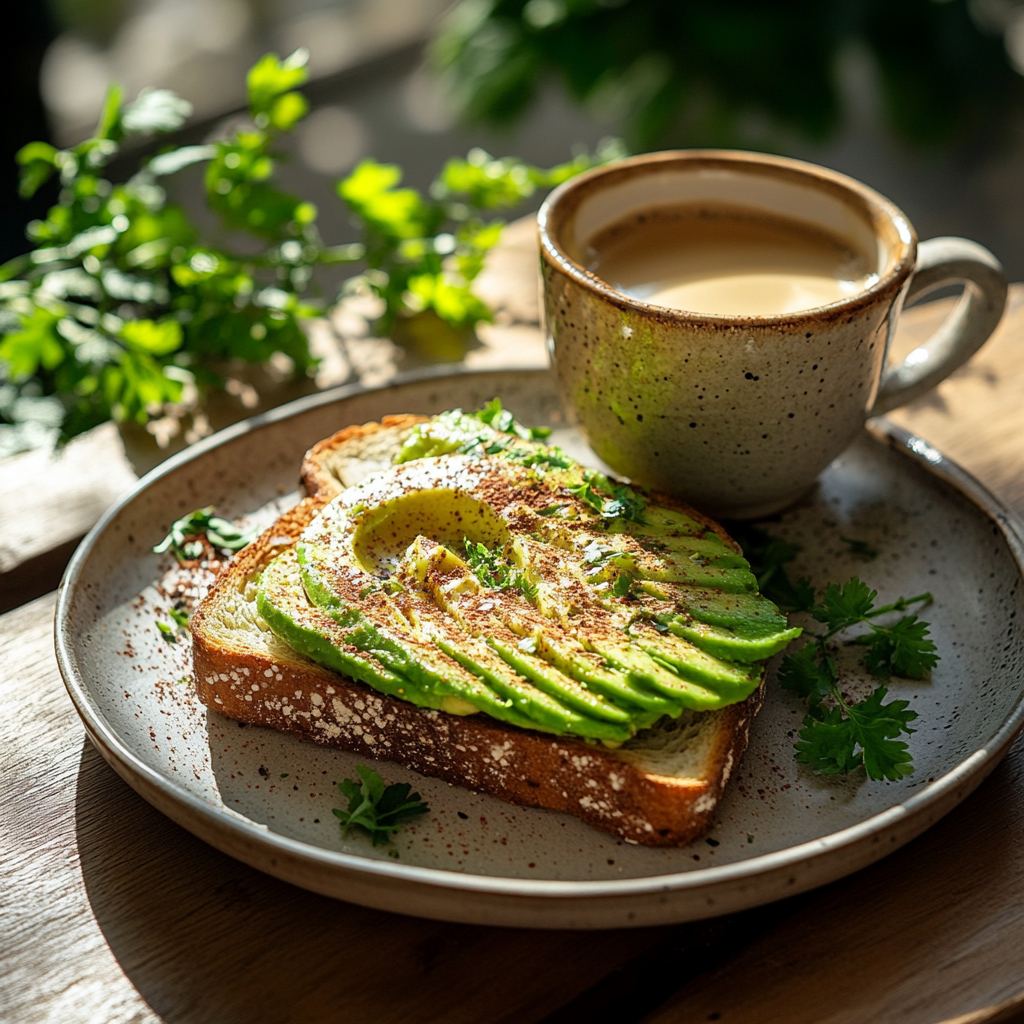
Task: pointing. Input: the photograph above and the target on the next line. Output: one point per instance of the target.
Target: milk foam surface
(727, 260)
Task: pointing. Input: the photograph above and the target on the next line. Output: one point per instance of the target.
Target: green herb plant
(610, 500)
(839, 734)
(423, 253)
(376, 809)
(182, 540)
(122, 310)
(733, 73)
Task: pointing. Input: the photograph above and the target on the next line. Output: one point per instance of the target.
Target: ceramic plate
(266, 798)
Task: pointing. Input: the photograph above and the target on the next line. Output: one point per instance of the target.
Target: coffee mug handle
(942, 261)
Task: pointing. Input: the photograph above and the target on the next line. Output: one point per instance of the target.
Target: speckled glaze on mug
(739, 415)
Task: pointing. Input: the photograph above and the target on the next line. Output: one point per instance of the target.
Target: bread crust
(607, 789)
(316, 477)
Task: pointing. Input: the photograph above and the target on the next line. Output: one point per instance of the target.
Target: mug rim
(567, 197)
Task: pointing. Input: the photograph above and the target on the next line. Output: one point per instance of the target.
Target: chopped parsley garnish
(376, 809)
(501, 419)
(495, 573)
(180, 616)
(623, 585)
(551, 457)
(203, 523)
(616, 502)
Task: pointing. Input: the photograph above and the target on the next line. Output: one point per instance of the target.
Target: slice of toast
(660, 788)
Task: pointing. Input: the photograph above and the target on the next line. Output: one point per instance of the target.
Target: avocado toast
(483, 609)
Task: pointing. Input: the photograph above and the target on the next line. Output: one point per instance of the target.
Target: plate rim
(216, 819)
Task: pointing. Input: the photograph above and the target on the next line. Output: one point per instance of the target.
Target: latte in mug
(728, 259)
(719, 322)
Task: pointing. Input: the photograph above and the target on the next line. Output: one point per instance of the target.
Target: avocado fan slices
(619, 610)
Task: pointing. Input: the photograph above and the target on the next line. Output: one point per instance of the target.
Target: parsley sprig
(376, 809)
(840, 735)
(203, 523)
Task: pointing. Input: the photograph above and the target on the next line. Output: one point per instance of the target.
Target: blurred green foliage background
(729, 72)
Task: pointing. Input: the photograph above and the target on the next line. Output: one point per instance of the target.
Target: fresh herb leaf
(827, 743)
(495, 573)
(623, 503)
(588, 495)
(876, 727)
(623, 585)
(551, 457)
(808, 674)
(861, 548)
(901, 649)
(845, 606)
(203, 523)
(376, 809)
(168, 631)
(122, 310)
(525, 586)
(489, 566)
(180, 617)
(840, 735)
(846, 736)
(502, 420)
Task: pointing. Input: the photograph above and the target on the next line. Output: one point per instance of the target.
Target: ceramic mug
(739, 414)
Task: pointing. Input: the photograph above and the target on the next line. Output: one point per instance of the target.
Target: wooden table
(111, 913)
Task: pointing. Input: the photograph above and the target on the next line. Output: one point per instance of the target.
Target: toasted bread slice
(659, 789)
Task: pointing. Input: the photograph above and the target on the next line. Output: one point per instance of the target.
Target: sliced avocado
(446, 578)
(748, 615)
(727, 573)
(647, 671)
(438, 658)
(365, 625)
(586, 610)
(732, 679)
(727, 643)
(593, 671)
(283, 604)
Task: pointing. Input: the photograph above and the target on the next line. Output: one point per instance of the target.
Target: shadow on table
(204, 938)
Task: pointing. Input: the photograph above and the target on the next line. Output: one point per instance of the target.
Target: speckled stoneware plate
(266, 798)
